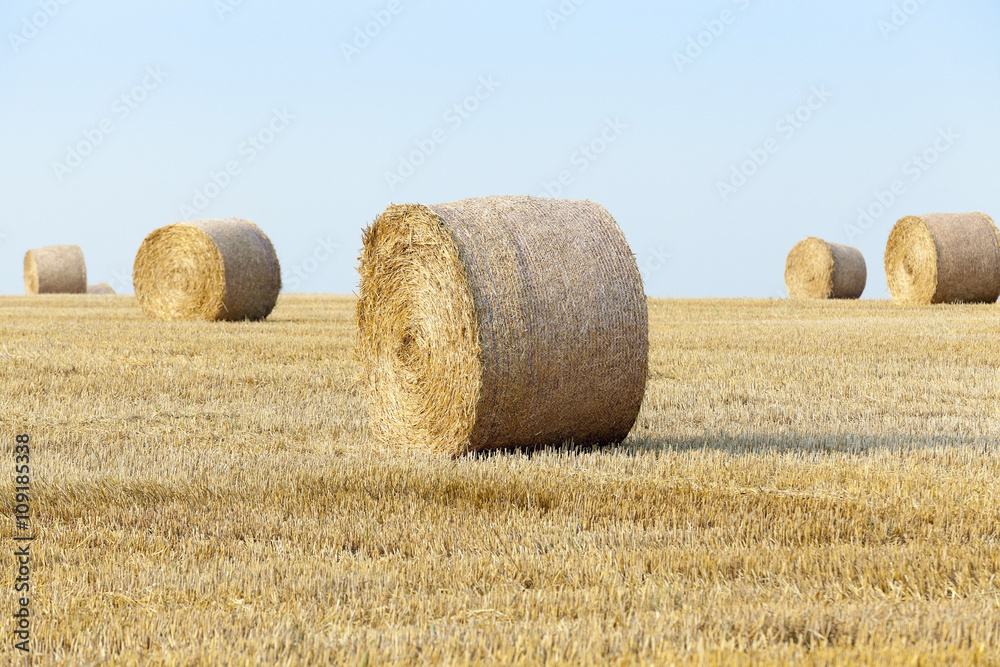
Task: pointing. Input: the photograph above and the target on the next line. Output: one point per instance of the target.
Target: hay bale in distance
(100, 289)
(57, 269)
(816, 269)
(944, 258)
(224, 269)
(500, 322)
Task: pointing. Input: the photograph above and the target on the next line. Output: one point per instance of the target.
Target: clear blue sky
(315, 120)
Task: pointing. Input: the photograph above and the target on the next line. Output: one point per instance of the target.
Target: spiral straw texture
(500, 322)
(816, 269)
(944, 258)
(207, 270)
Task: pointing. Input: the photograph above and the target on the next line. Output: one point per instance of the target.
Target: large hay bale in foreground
(944, 258)
(207, 270)
(57, 269)
(100, 289)
(817, 269)
(501, 322)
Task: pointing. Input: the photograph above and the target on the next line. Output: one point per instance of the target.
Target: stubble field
(816, 483)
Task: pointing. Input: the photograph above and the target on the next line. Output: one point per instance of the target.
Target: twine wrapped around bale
(207, 270)
(57, 269)
(500, 322)
(816, 269)
(944, 258)
(100, 289)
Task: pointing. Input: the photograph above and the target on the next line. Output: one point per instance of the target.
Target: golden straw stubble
(944, 258)
(818, 269)
(58, 269)
(500, 322)
(220, 269)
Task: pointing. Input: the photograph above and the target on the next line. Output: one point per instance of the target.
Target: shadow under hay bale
(58, 269)
(213, 270)
(817, 269)
(500, 323)
(944, 258)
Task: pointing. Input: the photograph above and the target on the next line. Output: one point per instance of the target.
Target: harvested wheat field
(816, 482)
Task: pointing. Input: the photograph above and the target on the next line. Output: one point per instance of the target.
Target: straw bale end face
(499, 323)
(418, 333)
(816, 269)
(223, 269)
(56, 269)
(944, 258)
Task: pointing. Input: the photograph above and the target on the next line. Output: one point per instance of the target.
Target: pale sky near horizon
(718, 134)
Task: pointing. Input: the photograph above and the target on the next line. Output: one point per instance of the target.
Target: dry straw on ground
(207, 270)
(816, 269)
(500, 322)
(944, 258)
(100, 289)
(57, 269)
(784, 498)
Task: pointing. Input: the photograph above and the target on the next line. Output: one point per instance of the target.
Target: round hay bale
(57, 269)
(816, 269)
(100, 289)
(944, 258)
(500, 322)
(207, 270)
